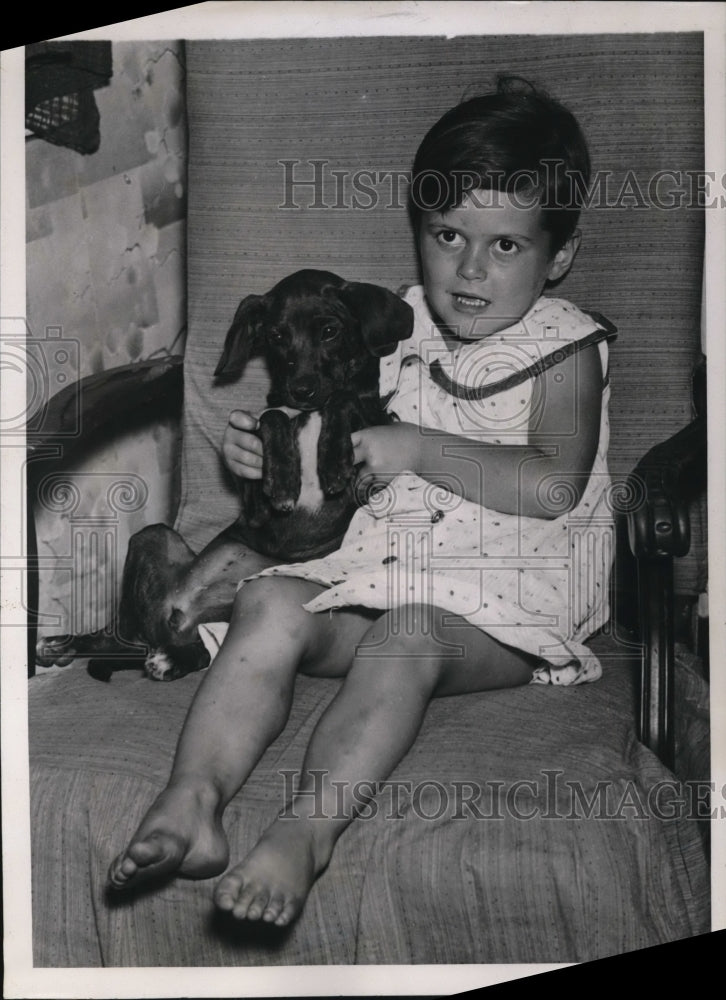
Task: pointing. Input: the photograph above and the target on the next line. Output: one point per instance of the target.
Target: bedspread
(523, 826)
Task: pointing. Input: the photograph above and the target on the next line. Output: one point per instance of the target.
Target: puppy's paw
(55, 649)
(283, 502)
(334, 481)
(177, 661)
(158, 666)
(281, 486)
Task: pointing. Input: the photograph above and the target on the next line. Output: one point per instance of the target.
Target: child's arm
(509, 478)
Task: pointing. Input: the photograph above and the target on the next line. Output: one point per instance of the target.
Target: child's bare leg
(240, 708)
(362, 736)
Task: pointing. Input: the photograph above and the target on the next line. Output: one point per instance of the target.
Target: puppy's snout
(303, 389)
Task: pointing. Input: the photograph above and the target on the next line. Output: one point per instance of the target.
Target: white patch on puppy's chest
(311, 496)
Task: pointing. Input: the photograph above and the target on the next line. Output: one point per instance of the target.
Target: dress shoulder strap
(605, 331)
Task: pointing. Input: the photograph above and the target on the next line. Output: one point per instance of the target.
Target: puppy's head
(317, 332)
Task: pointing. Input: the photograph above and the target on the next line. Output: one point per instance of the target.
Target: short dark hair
(516, 139)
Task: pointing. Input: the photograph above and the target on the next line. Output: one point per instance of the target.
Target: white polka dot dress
(534, 584)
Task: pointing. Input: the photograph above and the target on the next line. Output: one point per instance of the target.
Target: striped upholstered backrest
(359, 107)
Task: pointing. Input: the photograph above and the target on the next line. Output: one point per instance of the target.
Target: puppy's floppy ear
(242, 340)
(384, 317)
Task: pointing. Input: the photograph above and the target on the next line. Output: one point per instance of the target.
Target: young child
(481, 559)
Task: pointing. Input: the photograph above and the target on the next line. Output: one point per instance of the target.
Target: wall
(105, 250)
(106, 275)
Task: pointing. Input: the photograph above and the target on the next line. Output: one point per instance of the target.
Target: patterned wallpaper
(105, 250)
(106, 275)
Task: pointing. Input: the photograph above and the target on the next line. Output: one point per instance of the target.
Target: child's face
(486, 262)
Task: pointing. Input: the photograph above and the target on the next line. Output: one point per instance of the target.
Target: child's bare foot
(273, 881)
(181, 834)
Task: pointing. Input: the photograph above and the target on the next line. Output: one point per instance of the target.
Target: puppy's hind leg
(157, 559)
(205, 588)
(156, 555)
(63, 649)
(202, 589)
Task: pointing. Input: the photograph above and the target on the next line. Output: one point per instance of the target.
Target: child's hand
(241, 448)
(382, 452)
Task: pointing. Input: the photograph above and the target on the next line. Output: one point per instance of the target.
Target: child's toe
(150, 850)
(127, 868)
(244, 901)
(289, 912)
(227, 892)
(224, 900)
(121, 870)
(273, 909)
(258, 905)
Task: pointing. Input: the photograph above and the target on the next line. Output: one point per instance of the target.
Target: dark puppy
(321, 338)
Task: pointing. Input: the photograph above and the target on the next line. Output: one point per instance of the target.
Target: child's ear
(562, 260)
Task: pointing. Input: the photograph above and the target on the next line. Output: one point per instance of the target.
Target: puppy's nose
(304, 389)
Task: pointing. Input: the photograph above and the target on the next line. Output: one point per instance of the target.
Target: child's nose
(472, 266)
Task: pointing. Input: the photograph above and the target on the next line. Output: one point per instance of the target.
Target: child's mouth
(469, 303)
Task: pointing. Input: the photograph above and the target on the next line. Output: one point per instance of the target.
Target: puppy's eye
(330, 331)
(275, 336)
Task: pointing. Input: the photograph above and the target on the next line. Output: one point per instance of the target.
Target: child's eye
(506, 246)
(449, 238)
